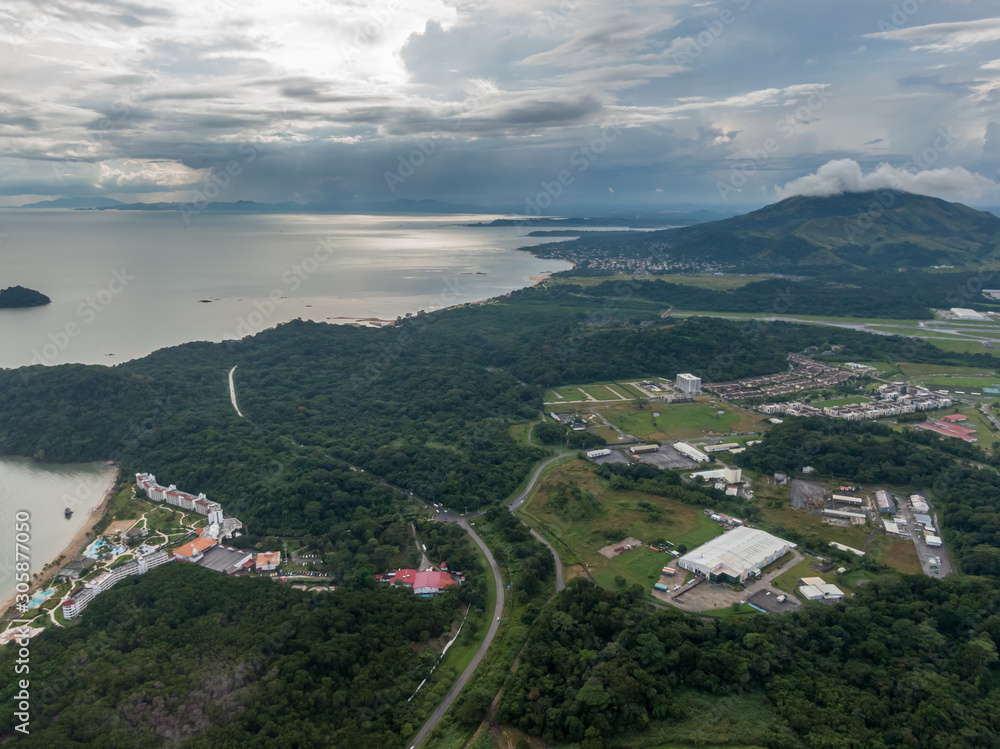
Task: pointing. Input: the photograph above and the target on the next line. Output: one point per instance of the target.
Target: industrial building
(736, 555)
(848, 500)
(932, 540)
(853, 517)
(637, 449)
(721, 447)
(963, 313)
(691, 452)
(919, 503)
(732, 475)
(816, 589)
(688, 383)
(885, 502)
(598, 453)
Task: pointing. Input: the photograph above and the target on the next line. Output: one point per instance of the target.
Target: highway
(456, 688)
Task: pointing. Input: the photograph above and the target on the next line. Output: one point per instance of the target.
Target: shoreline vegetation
(18, 297)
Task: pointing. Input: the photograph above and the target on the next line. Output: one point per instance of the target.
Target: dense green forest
(341, 425)
(186, 657)
(909, 662)
(424, 404)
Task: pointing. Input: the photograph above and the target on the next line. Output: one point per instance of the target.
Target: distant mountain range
(875, 230)
(643, 217)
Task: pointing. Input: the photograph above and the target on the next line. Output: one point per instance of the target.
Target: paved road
(516, 504)
(232, 391)
(559, 572)
(432, 722)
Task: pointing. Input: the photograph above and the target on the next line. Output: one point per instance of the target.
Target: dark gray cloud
(120, 98)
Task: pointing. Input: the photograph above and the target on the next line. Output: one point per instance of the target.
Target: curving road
(436, 716)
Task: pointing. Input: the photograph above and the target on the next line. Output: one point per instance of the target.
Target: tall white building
(688, 383)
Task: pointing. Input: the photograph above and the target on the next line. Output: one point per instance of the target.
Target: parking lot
(768, 600)
(667, 457)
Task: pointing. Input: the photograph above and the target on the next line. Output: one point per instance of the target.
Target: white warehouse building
(736, 555)
(688, 383)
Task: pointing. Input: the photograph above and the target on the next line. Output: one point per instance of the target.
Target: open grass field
(803, 318)
(849, 401)
(788, 581)
(963, 382)
(602, 393)
(803, 521)
(912, 370)
(898, 553)
(615, 516)
(963, 346)
(680, 420)
(706, 281)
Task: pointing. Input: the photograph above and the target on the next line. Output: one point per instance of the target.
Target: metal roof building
(736, 555)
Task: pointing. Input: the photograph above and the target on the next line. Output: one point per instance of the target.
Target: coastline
(74, 547)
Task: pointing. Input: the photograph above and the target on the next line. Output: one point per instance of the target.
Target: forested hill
(884, 229)
(425, 404)
(18, 296)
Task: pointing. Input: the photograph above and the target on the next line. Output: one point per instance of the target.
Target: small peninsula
(18, 296)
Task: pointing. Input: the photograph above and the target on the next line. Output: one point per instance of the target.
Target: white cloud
(944, 37)
(845, 175)
(137, 173)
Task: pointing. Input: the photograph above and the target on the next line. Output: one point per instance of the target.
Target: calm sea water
(125, 283)
(44, 491)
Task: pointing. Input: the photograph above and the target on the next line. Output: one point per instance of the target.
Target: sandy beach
(74, 547)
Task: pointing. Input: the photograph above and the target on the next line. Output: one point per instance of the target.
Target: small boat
(68, 513)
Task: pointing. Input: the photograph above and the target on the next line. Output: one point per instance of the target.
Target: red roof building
(953, 418)
(949, 430)
(424, 582)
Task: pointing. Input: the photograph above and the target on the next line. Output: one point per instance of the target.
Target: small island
(18, 296)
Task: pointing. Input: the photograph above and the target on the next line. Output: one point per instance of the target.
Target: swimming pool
(97, 548)
(40, 597)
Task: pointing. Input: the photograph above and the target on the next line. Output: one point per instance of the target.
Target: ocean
(126, 283)
(43, 491)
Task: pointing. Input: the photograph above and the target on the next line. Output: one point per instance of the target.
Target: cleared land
(608, 516)
(681, 420)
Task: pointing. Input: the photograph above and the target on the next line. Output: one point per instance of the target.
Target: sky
(537, 105)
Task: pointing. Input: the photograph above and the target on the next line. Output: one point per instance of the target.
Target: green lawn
(925, 370)
(963, 382)
(678, 420)
(788, 581)
(804, 318)
(849, 401)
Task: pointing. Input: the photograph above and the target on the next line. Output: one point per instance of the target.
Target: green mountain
(873, 230)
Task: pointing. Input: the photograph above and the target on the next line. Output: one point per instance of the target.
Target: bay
(43, 491)
(126, 283)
